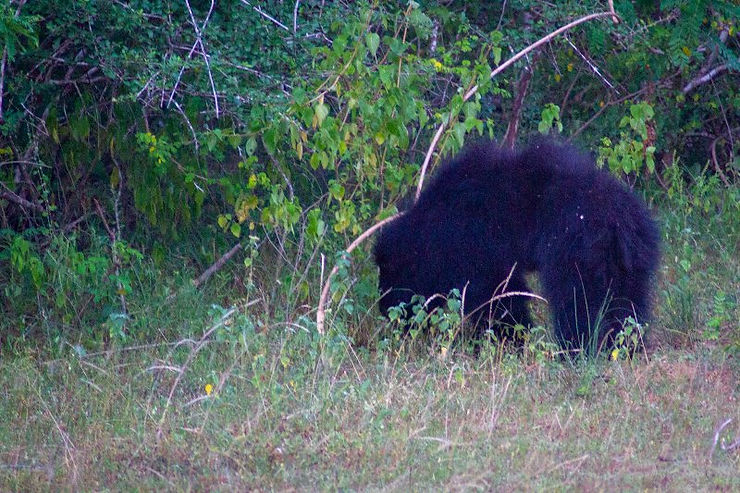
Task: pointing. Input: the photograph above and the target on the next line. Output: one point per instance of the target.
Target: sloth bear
(491, 214)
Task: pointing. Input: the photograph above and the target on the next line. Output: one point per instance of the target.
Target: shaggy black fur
(546, 208)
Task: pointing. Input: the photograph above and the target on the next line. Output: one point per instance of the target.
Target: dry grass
(366, 422)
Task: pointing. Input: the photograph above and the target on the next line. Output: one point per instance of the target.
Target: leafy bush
(191, 126)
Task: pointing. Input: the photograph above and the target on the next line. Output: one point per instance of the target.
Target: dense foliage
(140, 132)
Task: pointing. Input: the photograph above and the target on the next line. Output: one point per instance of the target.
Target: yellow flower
(209, 389)
(615, 354)
(442, 353)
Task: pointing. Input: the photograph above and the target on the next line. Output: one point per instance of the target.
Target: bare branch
(321, 310)
(192, 50)
(84, 80)
(592, 66)
(500, 69)
(267, 16)
(295, 17)
(217, 265)
(704, 78)
(516, 112)
(10, 195)
(199, 40)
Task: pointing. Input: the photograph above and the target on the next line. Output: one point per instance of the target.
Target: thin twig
(592, 66)
(190, 54)
(69, 446)
(497, 399)
(501, 17)
(199, 40)
(715, 160)
(2, 80)
(190, 125)
(114, 255)
(264, 14)
(226, 316)
(320, 312)
(117, 237)
(101, 214)
(717, 433)
(607, 104)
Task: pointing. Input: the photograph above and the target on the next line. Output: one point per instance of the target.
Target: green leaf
(372, 40)
(316, 225)
(321, 111)
(336, 190)
(270, 139)
(459, 132)
(386, 74)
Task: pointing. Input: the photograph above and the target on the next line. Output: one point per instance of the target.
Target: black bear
(491, 214)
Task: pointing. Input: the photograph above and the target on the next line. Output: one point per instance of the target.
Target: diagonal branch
(500, 69)
(199, 40)
(267, 16)
(704, 78)
(192, 50)
(11, 196)
(516, 111)
(321, 313)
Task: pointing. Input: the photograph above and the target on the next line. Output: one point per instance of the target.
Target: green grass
(292, 411)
